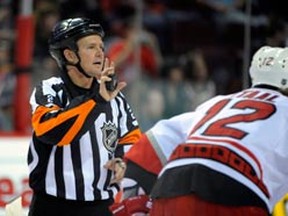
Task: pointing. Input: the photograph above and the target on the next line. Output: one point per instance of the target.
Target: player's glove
(132, 205)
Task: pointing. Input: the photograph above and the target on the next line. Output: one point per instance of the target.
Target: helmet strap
(78, 65)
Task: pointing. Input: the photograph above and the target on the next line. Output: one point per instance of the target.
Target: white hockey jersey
(242, 135)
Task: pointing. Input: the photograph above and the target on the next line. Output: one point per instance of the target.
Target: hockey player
(228, 157)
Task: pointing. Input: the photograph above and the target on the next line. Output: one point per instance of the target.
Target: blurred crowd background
(174, 54)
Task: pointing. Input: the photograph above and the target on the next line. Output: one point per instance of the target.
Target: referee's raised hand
(109, 69)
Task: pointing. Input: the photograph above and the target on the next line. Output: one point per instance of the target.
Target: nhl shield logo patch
(109, 134)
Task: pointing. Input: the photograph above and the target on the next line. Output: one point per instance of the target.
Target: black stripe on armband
(144, 178)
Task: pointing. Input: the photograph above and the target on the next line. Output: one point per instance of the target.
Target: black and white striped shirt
(75, 133)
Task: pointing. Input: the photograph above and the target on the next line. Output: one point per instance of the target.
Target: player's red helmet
(66, 33)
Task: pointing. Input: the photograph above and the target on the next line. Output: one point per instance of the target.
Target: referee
(81, 122)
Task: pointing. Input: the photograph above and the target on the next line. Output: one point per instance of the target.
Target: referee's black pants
(46, 205)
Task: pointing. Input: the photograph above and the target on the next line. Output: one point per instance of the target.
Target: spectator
(7, 86)
(175, 90)
(152, 107)
(201, 87)
(233, 12)
(131, 47)
(6, 20)
(276, 33)
(46, 18)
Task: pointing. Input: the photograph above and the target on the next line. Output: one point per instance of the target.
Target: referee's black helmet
(67, 32)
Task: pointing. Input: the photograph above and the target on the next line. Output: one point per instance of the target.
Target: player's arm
(147, 157)
(143, 163)
(145, 160)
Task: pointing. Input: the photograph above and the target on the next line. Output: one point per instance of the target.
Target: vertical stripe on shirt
(69, 178)
(77, 166)
(50, 181)
(87, 165)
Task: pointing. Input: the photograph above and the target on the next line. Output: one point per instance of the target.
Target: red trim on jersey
(143, 154)
(236, 145)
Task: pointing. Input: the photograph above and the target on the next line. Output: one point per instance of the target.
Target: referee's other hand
(118, 166)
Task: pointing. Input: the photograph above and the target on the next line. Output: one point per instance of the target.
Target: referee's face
(91, 53)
